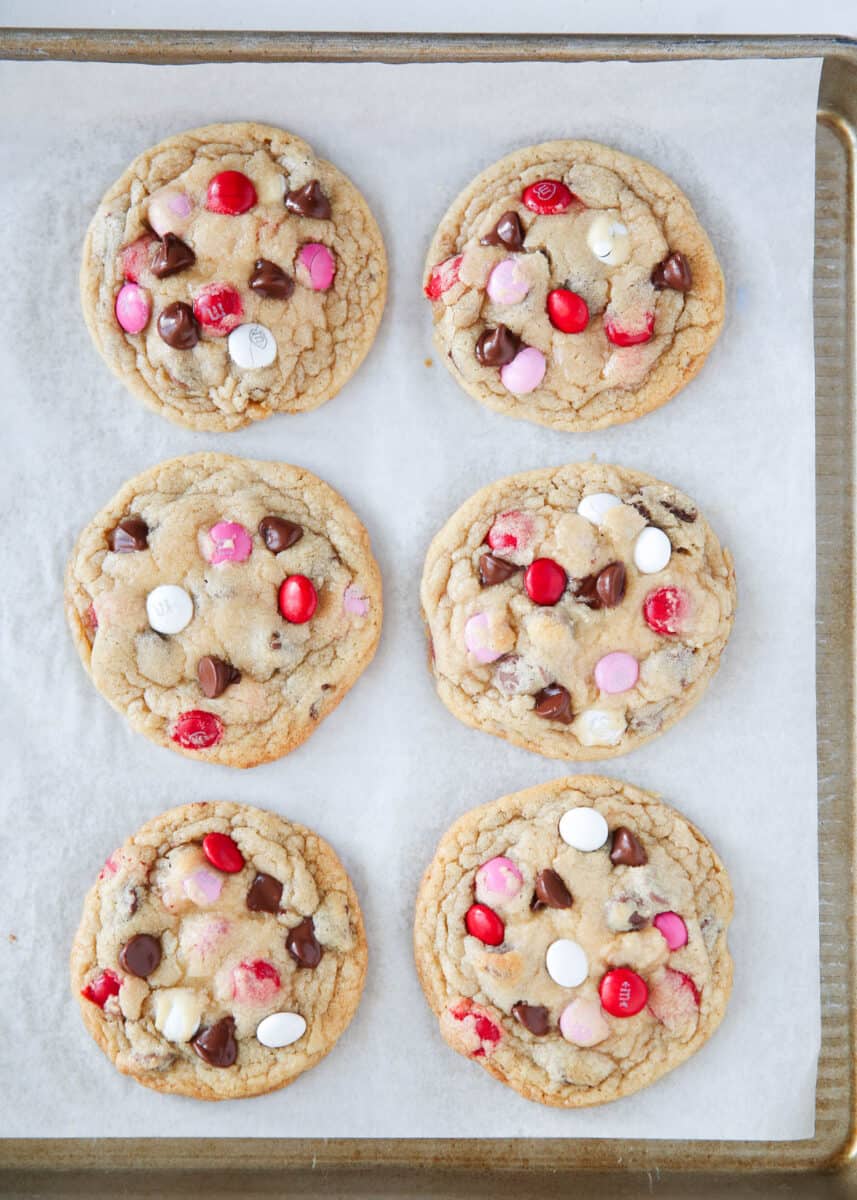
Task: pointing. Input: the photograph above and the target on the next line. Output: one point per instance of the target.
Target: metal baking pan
(825, 1164)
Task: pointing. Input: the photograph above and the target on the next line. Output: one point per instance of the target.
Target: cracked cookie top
(221, 952)
(230, 274)
(573, 285)
(225, 606)
(577, 611)
(572, 939)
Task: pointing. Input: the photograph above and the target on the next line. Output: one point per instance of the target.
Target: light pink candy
(133, 308)
(507, 283)
(673, 929)
(498, 879)
(582, 1023)
(525, 372)
(477, 639)
(203, 887)
(616, 672)
(353, 601)
(167, 211)
(315, 267)
(230, 543)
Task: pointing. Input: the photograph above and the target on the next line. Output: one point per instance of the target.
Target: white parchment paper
(391, 769)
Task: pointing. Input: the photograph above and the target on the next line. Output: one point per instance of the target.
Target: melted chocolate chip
(177, 326)
(641, 509)
(216, 1045)
(495, 570)
(271, 281)
(554, 704)
(508, 232)
(550, 891)
(610, 585)
(173, 255)
(132, 533)
(275, 641)
(673, 272)
(534, 1017)
(303, 945)
(215, 676)
(309, 201)
(278, 534)
(626, 849)
(684, 514)
(265, 894)
(496, 347)
(141, 955)
(585, 591)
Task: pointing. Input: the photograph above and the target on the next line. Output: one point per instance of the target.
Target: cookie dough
(572, 285)
(571, 939)
(230, 274)
(221, 952)
(577, 611)
(224, 606)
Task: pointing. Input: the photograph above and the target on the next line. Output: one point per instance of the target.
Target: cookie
(224, 606)
(571, 939)
(572, 285)
(221, 952)
(577, 611)
(230, 274)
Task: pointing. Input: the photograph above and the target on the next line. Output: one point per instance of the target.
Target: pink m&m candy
(354, 601)
(498, 879)
(230, 542)
(525, 372)
(203, 887)
(507, 283)
(315, 267)
(583, 1024)
(168, 211)
(672, 928)
(133, 308)
(616, 672)
(479, 639)
(218, 308)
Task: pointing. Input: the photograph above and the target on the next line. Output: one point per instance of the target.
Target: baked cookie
(577, 611)
(572, 939)
(221, 952)
(224, 606)
(573, 285)
(230, 274)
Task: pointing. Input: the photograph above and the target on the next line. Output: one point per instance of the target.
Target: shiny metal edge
(829, 1159)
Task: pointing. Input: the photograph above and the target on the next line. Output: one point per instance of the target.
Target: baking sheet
(386, 774)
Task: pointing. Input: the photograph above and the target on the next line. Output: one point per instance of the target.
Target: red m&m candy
(629, 337)
(197, 729)
(102, 987)
(665, 609)
(443, 277)
(545, 581)
(568, 312)
(483, 923)
(298, 599)
(548, 197)
(218, 308)
(221, 852)
(230, 192)
(623, 993)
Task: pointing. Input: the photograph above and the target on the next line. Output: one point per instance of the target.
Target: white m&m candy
(178, 1012)
(608, 240)
(596, 506)
(280, 1029)
(169, 608)
(251, 346)
(566, 963)
(583, 829)
(652, 550)
(599, 726)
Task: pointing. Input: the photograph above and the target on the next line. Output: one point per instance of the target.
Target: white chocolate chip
(583, 829)
(599, 727)
(608, 240)
(566, 963)
(178, 1012)
(280, 1029)
(652, 550)
(169, 608)
(252, 346)
(595, 506)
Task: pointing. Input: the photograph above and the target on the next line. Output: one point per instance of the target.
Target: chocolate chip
(271, 281)
(684, 514)
(495, 570)
(216, 1044)
(637, 920)
(496, 347)
(177, 326)
(275, 641)
(611, 585)
(265, 894)
(278, 534)
(641, 509)
(215, 676)
(551, 892)
(508, 232)
(673, 272)
(141, 955)
(585, 591)
(626, 850)
(309, 201)
(534, 1017)
(554, 704)
(173, 255)
(132, 533)
(303, 945)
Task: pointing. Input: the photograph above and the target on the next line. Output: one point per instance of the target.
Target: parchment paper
(389, 771)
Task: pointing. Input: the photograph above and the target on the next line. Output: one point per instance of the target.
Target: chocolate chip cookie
(571, 939)
(577, 611)
(224, 606)
(230, 274)
(573, 285)
(221, 952)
